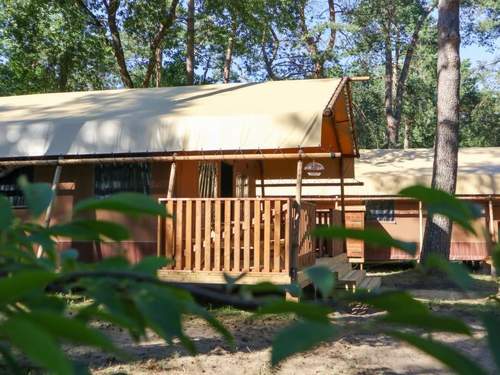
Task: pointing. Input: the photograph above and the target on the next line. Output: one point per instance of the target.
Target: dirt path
(352, 354)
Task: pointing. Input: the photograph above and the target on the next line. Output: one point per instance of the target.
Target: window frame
(380, 215)
(15, 192)
(138, 182)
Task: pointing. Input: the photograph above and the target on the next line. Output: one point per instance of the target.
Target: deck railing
(234, 235)
(328, 217)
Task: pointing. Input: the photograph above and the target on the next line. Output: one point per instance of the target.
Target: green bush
(37, 315)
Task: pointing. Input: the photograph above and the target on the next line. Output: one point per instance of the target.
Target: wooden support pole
(296, 224)
(50, 207)
(342, 200)
(493, 270)
(171, 181)
(491, 220)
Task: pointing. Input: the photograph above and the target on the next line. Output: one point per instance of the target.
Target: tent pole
(48, 212)
(171, 180)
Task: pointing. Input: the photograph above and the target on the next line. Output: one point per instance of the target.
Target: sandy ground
(351, 354)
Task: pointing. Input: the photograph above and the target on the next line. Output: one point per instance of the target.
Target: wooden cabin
(209, 154)
(371, 200)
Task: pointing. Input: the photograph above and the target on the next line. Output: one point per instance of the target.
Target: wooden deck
(209, 237)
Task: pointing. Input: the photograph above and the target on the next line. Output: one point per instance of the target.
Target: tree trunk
(165, 25)
(438, 228)
(407, 137)
(403, 76)
(64, 71)
(392, 131)
(116, 44)
(190, 44)
(158, 66)
(228, 58)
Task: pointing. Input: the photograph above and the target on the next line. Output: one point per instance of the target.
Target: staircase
(347, 278)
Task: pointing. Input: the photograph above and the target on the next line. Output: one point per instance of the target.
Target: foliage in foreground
(35, 311)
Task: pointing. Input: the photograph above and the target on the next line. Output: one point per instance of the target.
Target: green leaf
(371, 236)
(428, 322)
(492, 324)
(91, 230)
(72, 330)
(38, 345)
(151, 264)
(304, 310)
(128, 203)
(456, 272)
(38, 196)
(443, 353)
(299, 337)
(6, 214)
(322, 278)
(440, 202)
(14, 287)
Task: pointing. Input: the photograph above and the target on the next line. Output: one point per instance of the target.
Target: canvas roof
(240, 116)
(386, 172)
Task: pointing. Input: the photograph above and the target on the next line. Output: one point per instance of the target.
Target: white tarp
(386, 172)
(246, 116)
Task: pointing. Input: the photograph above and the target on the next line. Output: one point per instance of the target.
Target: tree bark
(228, 58)
(165, 25)
(158, 66)
(190, 44)
(438, 228)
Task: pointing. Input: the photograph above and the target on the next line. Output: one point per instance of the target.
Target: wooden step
(351, 280)
(341, 270)
(370, 283)
(329, 261)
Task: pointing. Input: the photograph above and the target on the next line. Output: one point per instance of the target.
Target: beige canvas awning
(210, 118)
(385, 172)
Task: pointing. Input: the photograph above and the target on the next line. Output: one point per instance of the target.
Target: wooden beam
(359, 78)
(50, 207)
(171, 180)
(171, 158)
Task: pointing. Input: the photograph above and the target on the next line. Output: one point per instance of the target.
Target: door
(226, 180)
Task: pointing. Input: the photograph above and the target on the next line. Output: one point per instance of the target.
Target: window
(110, 179)
(207, 180)
(242, 186)
(8, 184)
(380, 210)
